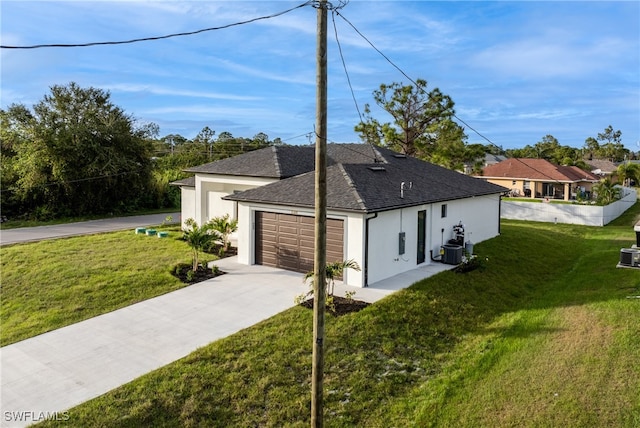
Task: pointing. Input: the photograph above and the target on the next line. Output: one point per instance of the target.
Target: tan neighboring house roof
(537, 170)
(602, 166)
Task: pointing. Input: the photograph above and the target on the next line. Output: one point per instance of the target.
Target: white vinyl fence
(588, 215)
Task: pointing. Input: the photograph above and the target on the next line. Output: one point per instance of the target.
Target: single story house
(539, 178)
(388, 212)
(603, 168)
(489, 159)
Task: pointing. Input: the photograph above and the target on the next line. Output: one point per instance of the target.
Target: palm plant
(198, 238)
(629, 171)
(332, 271)
(606, 192)
(224, 226)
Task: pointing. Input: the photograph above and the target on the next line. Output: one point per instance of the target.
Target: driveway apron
(55, 371)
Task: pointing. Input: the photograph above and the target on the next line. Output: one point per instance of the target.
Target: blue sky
(516, 70)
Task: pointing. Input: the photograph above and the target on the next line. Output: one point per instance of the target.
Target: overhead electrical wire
(78, 180)
(146, 39)
(405, 74)
(313, 3)
(346, 72)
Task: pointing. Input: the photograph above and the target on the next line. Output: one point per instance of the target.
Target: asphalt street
(39, 233)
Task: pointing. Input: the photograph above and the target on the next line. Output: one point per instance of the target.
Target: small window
(443, 210)
(513, 183)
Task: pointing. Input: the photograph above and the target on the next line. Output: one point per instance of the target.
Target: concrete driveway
(58, 370)
(55, 371)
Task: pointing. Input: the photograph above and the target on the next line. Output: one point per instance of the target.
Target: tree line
(423, 126)
(75, 153)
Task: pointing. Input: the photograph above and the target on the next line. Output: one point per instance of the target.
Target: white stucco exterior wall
(384, 258)
(480, 215)
(187, 203)
(354, 242)
(211, 188)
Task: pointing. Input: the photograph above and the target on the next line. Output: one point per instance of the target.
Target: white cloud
(171, 91)
(554, 54)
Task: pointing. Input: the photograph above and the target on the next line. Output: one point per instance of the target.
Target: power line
(79, 180)
(346, 72)
(146, 39)
(403, 73)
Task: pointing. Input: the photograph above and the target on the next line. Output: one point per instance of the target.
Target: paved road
(38, 233)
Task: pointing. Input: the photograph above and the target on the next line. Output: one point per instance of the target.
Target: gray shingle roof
(186, 182)
(273, 162)
(356, 182)
(286, 161)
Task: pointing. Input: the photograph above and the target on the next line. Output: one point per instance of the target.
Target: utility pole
(320, 254)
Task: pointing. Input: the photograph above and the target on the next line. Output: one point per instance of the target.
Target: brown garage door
(286, 241)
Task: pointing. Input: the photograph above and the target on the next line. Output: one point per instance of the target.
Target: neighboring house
(489, 159)
(603, 168)
(539, 178)
(386, 211)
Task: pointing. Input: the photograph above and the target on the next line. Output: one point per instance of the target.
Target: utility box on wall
(401, 242)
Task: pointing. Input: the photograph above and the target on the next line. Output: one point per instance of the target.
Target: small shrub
(198, 238)
(471, 262)
(300, 298)
(330, 303)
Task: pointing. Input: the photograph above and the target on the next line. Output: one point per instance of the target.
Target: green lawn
(50, 284)
(545, 336)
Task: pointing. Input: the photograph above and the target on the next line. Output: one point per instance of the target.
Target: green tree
(549, 148)
(607, 145)
(627, 172)
(205, 138)
(451, 151)
(15, 129)
(606, 192)
(419, 120)
(78, 154)
(591, 148)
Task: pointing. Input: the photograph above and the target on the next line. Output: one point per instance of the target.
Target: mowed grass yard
(50, 284)
(546, 335)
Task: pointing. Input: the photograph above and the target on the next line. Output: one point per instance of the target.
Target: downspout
(366, 249)
(500, 214)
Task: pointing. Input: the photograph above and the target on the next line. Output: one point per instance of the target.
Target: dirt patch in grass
(340, 305)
